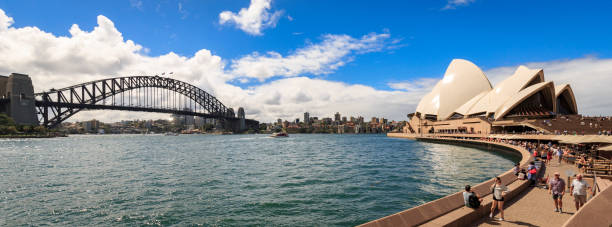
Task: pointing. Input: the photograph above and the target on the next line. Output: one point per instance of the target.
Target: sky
(281, 58)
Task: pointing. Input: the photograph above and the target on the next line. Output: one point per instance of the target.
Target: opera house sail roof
(465, 92)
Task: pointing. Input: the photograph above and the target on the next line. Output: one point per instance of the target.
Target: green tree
(6, 120)
(40, 129)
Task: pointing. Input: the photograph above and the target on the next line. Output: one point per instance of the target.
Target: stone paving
(534, 206)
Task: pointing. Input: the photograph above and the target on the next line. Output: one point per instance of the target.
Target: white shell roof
(462, 81)
(465, 90)
(559, 89)
(463, 109)
(522, 95)
(506, 90)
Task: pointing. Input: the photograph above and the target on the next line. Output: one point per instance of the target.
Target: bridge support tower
(17, 98)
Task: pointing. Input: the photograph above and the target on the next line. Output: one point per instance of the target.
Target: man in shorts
(557, 189)
(578, 190)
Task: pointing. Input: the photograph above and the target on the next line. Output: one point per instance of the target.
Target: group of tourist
(543, 153)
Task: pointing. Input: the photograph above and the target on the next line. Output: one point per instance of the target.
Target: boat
(279, 135)
(171, 134)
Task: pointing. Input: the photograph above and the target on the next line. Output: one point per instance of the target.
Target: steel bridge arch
(57, 105)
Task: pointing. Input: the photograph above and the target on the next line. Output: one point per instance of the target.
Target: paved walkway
(534, 206)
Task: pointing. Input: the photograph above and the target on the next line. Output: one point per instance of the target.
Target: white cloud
(137, 4)
(254, 19)
(59, 61)
(291, 97)
(322, 58)
(5, 21)
(181, 9)
(421, 85)
(453, 4)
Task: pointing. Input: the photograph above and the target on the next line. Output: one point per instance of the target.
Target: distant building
(279, 121)
(337, 117)
(327, 120)
(297, 120)
(306, 118)
(344, 119)
(91, 126)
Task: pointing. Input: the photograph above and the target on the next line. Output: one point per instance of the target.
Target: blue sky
(423, 36)
(490, 33)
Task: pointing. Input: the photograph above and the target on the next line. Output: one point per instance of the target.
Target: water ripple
(238, 180)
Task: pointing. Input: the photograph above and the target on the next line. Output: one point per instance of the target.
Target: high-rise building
(306, 118)
(353, 119)
(360, 120)
(337, 117)
(344, 119)
(279, 121)
(297, 120)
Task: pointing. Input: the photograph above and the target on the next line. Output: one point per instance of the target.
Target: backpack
(473, 201)
(533, 171)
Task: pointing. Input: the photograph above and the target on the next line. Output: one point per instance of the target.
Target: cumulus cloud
(420, 85)
(297, 95)
(453, 4)
(321, 58)
(59, 61)
(254, 19)
(5, 21)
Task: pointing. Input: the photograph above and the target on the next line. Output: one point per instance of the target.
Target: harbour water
(237, 180)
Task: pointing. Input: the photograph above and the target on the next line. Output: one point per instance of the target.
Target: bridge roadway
(526, 207)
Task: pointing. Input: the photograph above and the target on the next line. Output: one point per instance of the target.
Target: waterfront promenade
(526, 206)
(534, 206)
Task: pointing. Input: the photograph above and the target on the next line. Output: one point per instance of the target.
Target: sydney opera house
(465, 102)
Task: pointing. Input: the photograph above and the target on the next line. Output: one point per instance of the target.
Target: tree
(40, 129)
(6, 120)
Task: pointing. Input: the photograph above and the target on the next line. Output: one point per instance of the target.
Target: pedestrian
(531, 173)
(499, 191)
(557, 189)
(471, 198)
(560, 154)
(549, 155)
(578, 190)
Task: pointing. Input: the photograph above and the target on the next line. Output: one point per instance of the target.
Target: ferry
(279, 135)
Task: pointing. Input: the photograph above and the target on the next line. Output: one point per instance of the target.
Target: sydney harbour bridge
(133, 93)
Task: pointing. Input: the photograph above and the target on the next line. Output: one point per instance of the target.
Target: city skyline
(283, 61)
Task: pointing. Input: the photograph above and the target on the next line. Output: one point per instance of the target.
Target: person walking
(499, 190)
(560, 154)
(578, 190)
(557, 189)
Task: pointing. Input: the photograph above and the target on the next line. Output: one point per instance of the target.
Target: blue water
(238, 180)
